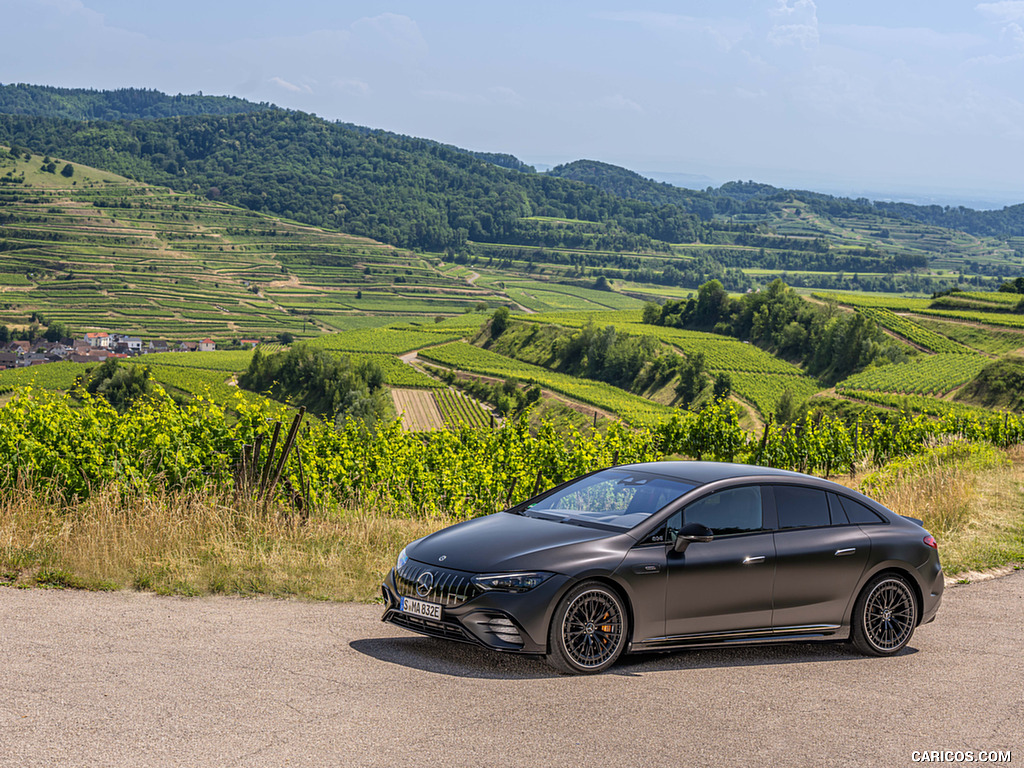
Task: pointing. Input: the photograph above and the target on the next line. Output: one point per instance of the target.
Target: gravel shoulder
(135, 679)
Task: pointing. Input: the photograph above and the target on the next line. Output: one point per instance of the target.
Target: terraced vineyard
(929, 406)
(458, 410)
(462, 356)
(394, 341)
(399, 374)
(418, 409)
(53, 376)
(884, 301)
(549, 296)
(932, 374)
(114, 255)
(913, 332)
(765, 392)
(1003, 319)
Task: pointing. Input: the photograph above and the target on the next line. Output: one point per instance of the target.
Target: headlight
(403, 558)
(511, 582)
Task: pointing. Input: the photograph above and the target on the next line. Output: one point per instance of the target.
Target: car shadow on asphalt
(462, 660)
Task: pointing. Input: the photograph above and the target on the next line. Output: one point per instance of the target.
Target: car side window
(801, 507)
(858, 513)
(734, 510)
(838, 514)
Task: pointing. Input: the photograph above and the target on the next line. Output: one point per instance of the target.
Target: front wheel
(588, 631)
(884, 616)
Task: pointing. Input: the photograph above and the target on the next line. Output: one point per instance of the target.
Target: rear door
(820, 558)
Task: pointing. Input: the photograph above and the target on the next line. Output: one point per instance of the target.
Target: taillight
(930, 541)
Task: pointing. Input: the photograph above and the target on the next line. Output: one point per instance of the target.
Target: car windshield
(619, 498)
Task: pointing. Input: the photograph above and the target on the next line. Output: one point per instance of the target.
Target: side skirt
(745, 637)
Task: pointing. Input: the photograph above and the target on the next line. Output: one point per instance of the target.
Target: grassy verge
(971, 498)
(192, 545)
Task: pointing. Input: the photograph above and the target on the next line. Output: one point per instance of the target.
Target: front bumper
(502, 621)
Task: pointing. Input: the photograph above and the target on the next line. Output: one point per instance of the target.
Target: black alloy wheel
(588, 630)
(885, 616)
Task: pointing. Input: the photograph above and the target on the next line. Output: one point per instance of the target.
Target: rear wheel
(884, 616)
(588, 631)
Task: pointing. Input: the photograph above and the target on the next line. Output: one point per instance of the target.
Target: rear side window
(801, 507)
(858, 513)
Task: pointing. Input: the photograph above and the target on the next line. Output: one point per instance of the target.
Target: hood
(507, 542)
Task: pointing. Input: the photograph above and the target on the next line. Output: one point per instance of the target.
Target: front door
(724, 585)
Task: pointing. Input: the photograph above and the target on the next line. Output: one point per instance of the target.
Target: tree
(691, 378)
(786, 408)
(499, 321)
(723, 386)
(120, 386)
(651, 313)
(68, 170)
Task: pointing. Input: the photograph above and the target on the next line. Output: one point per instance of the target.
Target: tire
(588, 630)
(884, 616)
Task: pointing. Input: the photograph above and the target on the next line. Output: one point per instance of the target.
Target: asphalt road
(129, 679)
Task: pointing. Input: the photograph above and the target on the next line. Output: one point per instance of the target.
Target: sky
(912, 99)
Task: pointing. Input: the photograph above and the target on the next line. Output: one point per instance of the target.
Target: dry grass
(974, 506)
(194, 544)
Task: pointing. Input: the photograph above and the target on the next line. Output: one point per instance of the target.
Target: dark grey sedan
(670, 555)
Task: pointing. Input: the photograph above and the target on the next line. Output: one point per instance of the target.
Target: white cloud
(795, 24)
(1006, 10)
(280, 82)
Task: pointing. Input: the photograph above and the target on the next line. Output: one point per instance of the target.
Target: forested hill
(750, 197)
(401, 190)
(121, 104)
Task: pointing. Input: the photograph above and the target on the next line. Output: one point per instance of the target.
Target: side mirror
(690, 533)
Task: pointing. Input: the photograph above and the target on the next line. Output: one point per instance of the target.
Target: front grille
(443, 629)
(448, 588)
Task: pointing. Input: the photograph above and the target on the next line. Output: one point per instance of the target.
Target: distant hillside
(122, 104)
(1006, 222)
(739, 197)
(398, 189)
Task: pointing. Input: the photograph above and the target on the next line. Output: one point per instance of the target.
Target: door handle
(753, 560)
(847, 551)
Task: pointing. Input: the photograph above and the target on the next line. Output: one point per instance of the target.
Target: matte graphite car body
(670, 555)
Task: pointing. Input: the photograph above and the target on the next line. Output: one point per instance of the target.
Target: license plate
(420, 608)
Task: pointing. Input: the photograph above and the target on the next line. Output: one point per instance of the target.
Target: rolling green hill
(121, 104)
(585, 224)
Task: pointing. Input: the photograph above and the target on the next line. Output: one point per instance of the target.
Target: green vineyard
(459, 410)
(913, 332)
(930, 375)
(466, 357)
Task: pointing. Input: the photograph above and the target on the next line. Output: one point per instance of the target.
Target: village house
(249, 342)
(20, 347)
(33, 358)
(99, 339)
(189, 346)
(8, 360)
(128, 345)
(207, 345)
(158, 345)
